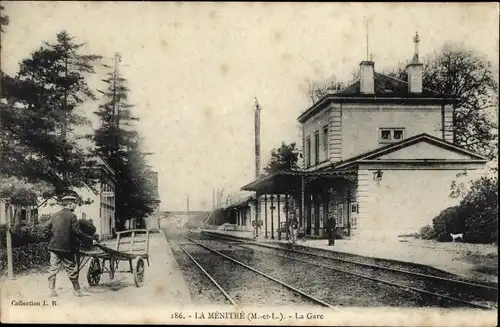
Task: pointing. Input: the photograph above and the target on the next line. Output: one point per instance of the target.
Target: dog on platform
(457, 236)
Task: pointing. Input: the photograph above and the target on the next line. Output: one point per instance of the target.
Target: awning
(286, 182)
(242, 203)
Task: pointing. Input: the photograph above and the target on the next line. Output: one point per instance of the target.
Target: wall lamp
(377, 175)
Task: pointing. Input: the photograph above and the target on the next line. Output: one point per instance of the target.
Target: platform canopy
(243, 203)
(290, 181)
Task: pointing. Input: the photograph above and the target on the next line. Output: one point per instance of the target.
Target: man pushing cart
(71, 246)
(65, 233)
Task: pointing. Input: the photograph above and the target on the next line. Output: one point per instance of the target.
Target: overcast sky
(195, 68)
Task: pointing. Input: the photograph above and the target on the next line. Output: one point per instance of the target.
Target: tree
(319, 89)
(480, 207)
(464, 74)
(134, 195)
(119, 143)
(283, 158)
(4, 19)
(458, 72)
(476, 216)
(38, 112)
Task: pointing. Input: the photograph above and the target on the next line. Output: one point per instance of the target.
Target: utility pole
(257, 139)
(116, 113)
(187, 197)
(367, 43)
(257, 162)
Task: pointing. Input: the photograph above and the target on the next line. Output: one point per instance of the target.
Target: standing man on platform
(64, 232)
(292, 228)
(330, 229)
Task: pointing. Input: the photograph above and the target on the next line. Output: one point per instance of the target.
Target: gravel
(407, 266)
(375, 261)
(243, 286)
(440, 287)
(200, 287)
(335, 288)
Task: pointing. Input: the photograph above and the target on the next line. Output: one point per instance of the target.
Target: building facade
(101, 199)
(379, 157)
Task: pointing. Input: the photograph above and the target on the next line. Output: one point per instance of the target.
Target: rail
(488, 289)
(226, 295)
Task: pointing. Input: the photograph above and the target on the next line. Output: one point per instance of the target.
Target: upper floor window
(316, 147)
(308, 151)
(325, 141)
(391, 135)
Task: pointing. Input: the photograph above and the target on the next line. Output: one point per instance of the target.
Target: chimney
(414, 70)
(367, 84)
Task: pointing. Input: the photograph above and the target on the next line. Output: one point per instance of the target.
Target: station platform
(448, 257)
(26, 298)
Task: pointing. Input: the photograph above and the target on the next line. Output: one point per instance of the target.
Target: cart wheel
(94, 272)
(138, 272)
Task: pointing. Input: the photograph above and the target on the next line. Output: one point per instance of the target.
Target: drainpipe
(442, 121)
(348, 209)
(303, 201)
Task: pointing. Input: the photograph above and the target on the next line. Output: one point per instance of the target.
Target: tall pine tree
(117, 140)
(40, 113)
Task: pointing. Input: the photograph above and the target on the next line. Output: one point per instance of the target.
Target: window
(308, 151)
(391, 135)
(397, 134)
(316, 147)
(325, 142)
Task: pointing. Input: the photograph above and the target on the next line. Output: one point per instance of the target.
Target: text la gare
(309, 315)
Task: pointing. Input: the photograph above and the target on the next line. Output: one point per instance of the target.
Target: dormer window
(391, 135)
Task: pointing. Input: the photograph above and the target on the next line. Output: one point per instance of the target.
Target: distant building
(102, 207)
(27, 215)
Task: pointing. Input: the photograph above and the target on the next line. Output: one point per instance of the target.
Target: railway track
(443, 289)
(232, 299)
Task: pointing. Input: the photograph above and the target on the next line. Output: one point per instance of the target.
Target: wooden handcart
(104, 259)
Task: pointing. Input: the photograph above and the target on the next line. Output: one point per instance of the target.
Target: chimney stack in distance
(415, 70)
(367, 75)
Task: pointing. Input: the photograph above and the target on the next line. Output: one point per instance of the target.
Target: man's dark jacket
(330, 225)
(64, 231)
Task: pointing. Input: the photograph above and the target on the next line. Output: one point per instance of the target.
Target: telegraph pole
(367, 42)
(257, 139)
(187, 198)
(257, 163)
(116, 114)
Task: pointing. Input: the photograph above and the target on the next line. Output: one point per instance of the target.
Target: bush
(480, 207)
(427, 233)
(33, 234)
(23, 235)
(476, 216)
(26, 257)
(450, 220)
(43, 219)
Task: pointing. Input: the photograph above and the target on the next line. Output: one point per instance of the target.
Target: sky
(194, 69)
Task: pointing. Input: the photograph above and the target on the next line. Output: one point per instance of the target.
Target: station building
(379, 158)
